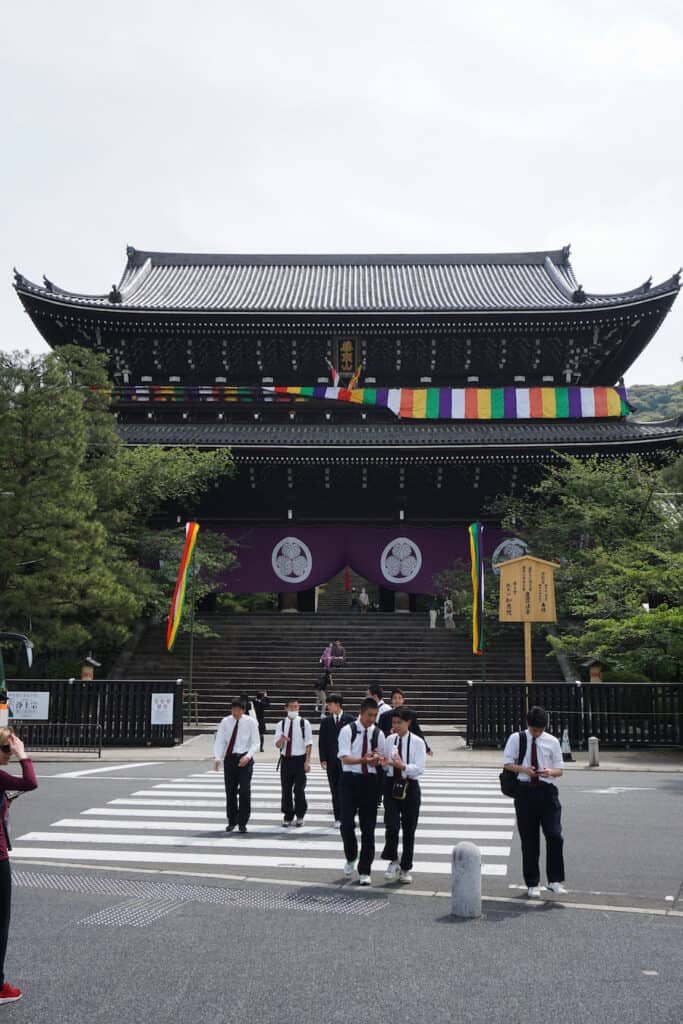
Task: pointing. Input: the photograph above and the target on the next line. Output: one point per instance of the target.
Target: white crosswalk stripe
(181, 822)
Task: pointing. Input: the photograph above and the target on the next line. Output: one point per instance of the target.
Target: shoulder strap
(374, 739)
(354, 731)
(522, 746)
(303, 728)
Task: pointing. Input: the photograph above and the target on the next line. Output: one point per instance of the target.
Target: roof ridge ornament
(114, 294)
(48, 284)
(566, 251)
(579, 295)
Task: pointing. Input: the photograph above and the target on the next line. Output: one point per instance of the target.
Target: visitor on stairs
(261, 705)
(354, 607)
(448, 613)
(537, 803)
(324, 684)
(398, 700)
(237, 740)
(433, 613)
(361, 749)
(338, 654)
(328, 746)
(294, 740)
(404, 757)
(364, 601)
(9, 745)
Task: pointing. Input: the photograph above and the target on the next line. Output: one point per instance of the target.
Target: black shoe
(230, 828)
(243, 829)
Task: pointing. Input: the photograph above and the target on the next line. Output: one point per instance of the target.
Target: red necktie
(231, 744)
(397, 771)
(288, 747)
(534, 761)
(364, 767)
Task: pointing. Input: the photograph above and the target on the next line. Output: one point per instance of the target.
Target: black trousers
(401, 815)
(334, 773)
(538, 807)
(358, 796)
(293, 783)
(5, 907)
(237, 789)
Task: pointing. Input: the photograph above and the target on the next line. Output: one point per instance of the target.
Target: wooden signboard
(527, 594)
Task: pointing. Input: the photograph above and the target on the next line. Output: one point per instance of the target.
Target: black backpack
(508, 780)
(374, 739)
(303, 726)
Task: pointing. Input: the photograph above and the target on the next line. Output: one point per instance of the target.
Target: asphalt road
(166, 941)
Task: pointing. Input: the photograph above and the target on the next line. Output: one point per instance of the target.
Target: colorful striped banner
(178, 602)
(410, 403)
(476, 532)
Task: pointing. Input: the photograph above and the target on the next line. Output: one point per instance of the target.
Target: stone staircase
(280, 653)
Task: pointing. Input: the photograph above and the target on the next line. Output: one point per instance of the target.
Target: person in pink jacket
(15, 784)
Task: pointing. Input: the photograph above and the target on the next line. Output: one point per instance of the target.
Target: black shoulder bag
(509, 780)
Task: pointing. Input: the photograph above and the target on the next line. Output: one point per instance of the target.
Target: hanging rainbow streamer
(549, 403)
(178, 602)
(476, 532)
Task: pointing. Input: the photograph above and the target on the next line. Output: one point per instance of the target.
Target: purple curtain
(290, 558)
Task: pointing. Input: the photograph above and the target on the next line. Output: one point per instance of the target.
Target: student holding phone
(10, 745)
(404, 758)
(537, 802)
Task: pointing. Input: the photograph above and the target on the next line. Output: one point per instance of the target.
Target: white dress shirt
(299, 741)
(548, 751)
(413, 753)
(247, 740)
(382, 706)
(347, 748)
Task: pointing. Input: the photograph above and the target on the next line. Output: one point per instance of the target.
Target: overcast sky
(362, 126)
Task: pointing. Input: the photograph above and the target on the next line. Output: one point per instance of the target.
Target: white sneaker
(299, 822)
(364, 880)
(534, 892)
(286, 824)
(337, 824)
(556, 887)
(349, 868)
(392, 872)
(405, 876)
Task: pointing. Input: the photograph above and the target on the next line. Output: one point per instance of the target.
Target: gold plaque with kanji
(527, 590)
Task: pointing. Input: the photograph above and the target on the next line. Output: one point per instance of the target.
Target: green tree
(80, 561)
(612, 528)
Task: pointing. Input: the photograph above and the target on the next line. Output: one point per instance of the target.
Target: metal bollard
(593, 752)
(466, 881)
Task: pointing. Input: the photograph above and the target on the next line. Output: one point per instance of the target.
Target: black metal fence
(120, 709)
(619, 714)
(74, 737)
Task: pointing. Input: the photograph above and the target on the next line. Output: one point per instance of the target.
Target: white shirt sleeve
(556, 755)
(511, 752)
(308, 734)
(221, 744)
(278, 731)
(254, 738)
(344, 745)
(416, 766)
(381, 741)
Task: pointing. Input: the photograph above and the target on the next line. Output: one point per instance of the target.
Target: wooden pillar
(528, 664)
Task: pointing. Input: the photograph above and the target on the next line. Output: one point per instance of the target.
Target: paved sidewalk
(448, 750)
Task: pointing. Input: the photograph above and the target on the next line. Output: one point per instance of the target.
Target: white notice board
(29, 706)
(162, 708)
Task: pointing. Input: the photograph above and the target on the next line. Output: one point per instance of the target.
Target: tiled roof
(347, 284)
(545, 434)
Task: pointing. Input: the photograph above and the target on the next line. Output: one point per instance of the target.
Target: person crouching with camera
(9, 745)
(404, 757)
